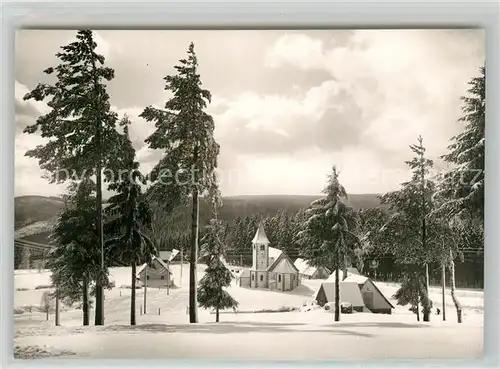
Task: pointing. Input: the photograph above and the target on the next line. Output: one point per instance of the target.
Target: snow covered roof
(283, 264)
(168, 255)
(163, 267)
(349, 292)
(274, 253)
(304, 267)
(260, 236)
(351, 277)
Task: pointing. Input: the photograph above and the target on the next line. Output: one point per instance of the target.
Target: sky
(287, 105)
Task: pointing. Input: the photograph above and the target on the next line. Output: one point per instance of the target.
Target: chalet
(373, 298)
(157, 275)
(349, 293)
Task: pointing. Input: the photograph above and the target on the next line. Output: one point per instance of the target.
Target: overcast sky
(287, 104)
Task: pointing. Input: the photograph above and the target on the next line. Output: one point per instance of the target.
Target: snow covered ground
(249, 334)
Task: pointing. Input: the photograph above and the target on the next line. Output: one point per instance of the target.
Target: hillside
(31, 209)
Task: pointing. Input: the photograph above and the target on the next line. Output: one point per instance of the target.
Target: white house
(157, 275)
(373, 298)
(271, 268)
(309, 272)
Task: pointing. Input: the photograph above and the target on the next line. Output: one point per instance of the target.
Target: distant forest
(241, 216)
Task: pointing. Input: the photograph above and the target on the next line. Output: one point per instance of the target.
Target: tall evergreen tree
(75, 259)
(463, 185)
(407, 231)
(80, 126)
(185, 132)
(129, 216)
(211, 293)
(328, 233)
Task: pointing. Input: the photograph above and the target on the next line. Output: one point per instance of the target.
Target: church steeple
(260, 237)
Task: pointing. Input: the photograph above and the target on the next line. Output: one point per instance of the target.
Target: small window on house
(253, 277)
(162, 277)
(261, 277)
(262, 247)
(147, 277)
(279, 277)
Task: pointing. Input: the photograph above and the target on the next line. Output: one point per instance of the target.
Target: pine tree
(186, 134)
(75, 261)
(211, 293)
(407, 231)
(328, 233)
(80, 126)
(129, 216)
(463, 185)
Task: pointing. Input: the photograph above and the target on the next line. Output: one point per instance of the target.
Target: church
(271, 268)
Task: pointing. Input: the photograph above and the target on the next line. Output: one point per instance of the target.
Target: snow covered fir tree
(263, 195)
(211, 293)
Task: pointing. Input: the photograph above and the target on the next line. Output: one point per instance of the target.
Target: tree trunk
(99, 297)
(182, 262)
(217, 315)
(145, 287)
(443, 282)
(85, 304)
(454, 297)
(426, 306)
(57, 307)
(193, 257)
(344, 269)
(132, 294)
(337, 289)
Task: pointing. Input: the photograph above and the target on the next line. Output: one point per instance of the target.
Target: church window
(253, 277)
(262, 247)
(261, 277)
(279, 278)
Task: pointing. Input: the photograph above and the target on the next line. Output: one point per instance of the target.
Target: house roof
(274, 253)
(260, 236)
(163, 265)
(349, 292)
(282, 267)
(381, 294)
(351, 277)
(168, 255)
(306, 269)
(360, 280)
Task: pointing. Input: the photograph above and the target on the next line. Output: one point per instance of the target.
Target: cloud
(287, 105)
(325, 116)
(405, 82)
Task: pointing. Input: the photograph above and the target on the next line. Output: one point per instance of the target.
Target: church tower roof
(260, 236)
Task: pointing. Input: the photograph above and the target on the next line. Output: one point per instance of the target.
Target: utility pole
(182, 261)
(57, 307)
(168, 278)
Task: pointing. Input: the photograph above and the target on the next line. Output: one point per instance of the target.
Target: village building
(373, 299)
(271, 268)
(157, 274)
(349, 293)
(306, 271)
